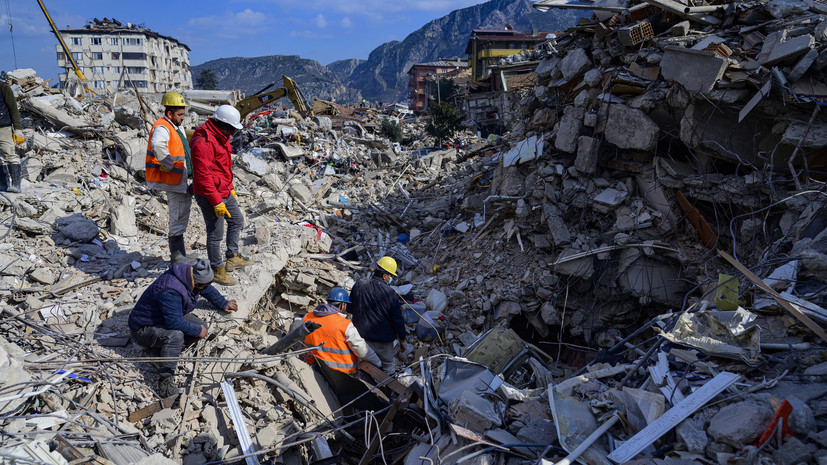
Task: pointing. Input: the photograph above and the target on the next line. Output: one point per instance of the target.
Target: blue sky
(323, 30)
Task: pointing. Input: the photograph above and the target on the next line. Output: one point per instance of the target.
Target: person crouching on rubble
(343, 345)
(162, 319)
(377, 313)
(212, 185)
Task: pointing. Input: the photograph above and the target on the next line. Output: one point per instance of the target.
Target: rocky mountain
(252, 74)
(384, 75)
(344, 68)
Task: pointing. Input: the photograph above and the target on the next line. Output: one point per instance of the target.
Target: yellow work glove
(232, 191)
(18, 137)
(221, 210)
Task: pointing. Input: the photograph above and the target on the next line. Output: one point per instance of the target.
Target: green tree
(445, 89)
(206, 80)
(391, 130)
(446, 120)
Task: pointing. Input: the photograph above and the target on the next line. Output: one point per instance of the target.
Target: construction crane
(66, 52)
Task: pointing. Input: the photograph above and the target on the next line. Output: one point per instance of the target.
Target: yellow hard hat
(388, 264)
(173, 99)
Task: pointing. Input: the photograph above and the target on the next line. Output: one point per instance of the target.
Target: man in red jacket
(212, 184)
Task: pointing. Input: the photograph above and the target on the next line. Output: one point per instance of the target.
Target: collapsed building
(631, 274)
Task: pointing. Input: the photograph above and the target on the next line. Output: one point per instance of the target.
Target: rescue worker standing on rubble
(343, 345)
(214, 190)
(161, 319)
(11, 134)
(377, 314)
(169, 168)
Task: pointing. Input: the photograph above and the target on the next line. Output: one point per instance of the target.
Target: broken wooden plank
(152, 408)
(672, 417)
(382, 378)
(705, 231)
(814, 327)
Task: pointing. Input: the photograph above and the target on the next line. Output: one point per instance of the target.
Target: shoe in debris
(167, 387)
(221, 277)
(237, 261)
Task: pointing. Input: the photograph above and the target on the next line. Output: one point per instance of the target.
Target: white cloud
(320, 21)
(232, 25)
(347, 23)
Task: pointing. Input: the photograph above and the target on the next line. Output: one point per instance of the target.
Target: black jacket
(376, 312)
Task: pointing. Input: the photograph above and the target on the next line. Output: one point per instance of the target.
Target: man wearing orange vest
(343, 345)
(169, 168)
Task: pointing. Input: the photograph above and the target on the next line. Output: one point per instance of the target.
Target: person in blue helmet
(341, 345)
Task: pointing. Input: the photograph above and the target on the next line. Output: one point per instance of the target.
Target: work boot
(177, 251)
(237, 261)
(14, 174)
(167, 387)
(221, 277)
(4, 178)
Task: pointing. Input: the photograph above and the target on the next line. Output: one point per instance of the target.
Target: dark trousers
(215, 229)
(170, 341)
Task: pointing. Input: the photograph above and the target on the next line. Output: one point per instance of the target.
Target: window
(134, 56)
(115, 55)
(77, 56)
(140, 83)
(113, 41)
(98, 84)
(61, 56)
(135, 70)
(97, 55)
(98, 69)
(77, 41)
(116, 69)
(95, 41)
(133, 41)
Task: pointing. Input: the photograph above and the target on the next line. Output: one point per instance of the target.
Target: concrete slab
(695, 70)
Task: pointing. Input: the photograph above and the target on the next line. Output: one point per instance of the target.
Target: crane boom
(66, 52)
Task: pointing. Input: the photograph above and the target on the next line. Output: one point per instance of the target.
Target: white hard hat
(228, 114)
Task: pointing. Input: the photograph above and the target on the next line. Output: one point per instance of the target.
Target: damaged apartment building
(634, 272)
(115, 55)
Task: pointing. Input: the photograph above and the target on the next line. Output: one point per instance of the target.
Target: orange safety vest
(335, 352)
(176, 150)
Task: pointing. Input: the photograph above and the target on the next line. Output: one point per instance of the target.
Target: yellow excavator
(261, 98)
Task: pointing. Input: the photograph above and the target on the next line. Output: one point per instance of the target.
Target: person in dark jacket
(162, 317)
(377, 314)
(11, 134)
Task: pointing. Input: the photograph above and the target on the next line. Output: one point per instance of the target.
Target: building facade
(422, 76)
(114, 55)
(486, 47)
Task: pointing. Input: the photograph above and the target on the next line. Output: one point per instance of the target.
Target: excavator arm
(290, 90)
(66, 51)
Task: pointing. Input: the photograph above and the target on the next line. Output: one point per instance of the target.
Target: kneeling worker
(162, 319)
(343, 346)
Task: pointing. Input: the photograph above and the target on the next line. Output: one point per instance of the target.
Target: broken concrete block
(586, 161)
(740, 423)
(558, 229)
(611, 197)
(816, 135)
(301, 193)
(568, 129)
(579, 267)
(778, 48)
(290, 152)
(32, 226)
(253, 164)
(794, 451)
(575, 63)
(695, 70)
(680, 29)
(547, 65)
(77, 228)
(692, 433)
(549, 314)
(593, 77)
(802, 420)
(122, 218)
(820, 32)
(783, 8)
(31, 168)
(803, 65)
(43, 276)
(630, 128)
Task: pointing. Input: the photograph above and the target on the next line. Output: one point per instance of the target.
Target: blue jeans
(215, 229)
(170, 341)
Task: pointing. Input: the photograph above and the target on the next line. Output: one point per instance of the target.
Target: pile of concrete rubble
(585, 308)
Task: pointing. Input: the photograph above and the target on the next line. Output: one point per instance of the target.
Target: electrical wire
(13, 48)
